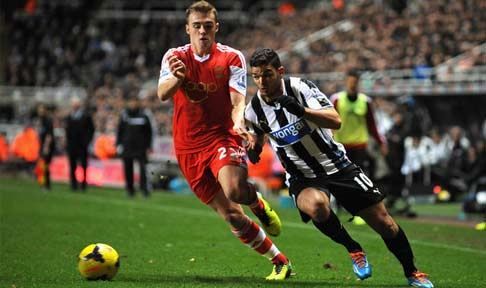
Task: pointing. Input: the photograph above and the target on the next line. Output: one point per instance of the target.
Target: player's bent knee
(239, 198)
(240, 195)
(389, 227)
(318, 211)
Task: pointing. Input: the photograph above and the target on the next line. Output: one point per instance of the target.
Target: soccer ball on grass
(98, 262)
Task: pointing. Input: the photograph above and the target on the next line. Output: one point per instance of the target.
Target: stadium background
(427, 55)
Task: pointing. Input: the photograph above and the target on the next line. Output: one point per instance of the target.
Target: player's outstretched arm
(326, 117)
(168, 88)
(238, 115)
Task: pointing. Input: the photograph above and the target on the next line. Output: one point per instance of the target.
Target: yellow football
(98, 262)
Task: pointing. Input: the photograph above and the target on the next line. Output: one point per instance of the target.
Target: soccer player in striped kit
(297, 117)
(207, 83)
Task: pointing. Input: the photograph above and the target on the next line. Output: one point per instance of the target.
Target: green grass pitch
(171, 240)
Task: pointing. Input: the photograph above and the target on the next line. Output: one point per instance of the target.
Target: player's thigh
(232, 178)
(228, 165)
(354, 190)
(195, 168)
(311, 197)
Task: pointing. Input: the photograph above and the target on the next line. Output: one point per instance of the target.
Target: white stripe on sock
(272, 252)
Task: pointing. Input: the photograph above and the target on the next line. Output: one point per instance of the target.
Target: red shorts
(201, 168)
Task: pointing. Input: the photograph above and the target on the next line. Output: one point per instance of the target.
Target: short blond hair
(202, 7)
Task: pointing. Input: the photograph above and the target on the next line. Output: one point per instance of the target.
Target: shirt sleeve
(164, 67)
(371, 124)
(251, 120)
(237, 68)
(313, 96)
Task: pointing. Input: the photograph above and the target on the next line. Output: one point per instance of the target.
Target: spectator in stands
(133, 142)
(394, 159)
(438, 152)
(47, 142)
(358, 123)
(375, 29)
(416, 116)
(457, 163)
(79, 133)
(416, 156)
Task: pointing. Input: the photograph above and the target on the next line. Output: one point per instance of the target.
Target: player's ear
(281, 70)
(187, 29)
(217, 27)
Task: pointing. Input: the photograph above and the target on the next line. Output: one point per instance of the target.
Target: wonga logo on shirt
(291, 133)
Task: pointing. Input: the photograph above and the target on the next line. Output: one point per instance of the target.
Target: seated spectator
(438, 152)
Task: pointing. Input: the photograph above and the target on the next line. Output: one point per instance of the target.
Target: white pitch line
(418, 242)
(209, 213)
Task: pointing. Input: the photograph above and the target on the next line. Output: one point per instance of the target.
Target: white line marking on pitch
(209, 213)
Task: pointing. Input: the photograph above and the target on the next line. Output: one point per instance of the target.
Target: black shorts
(351, 188)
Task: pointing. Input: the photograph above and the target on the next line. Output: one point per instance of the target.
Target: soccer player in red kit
(207, 83)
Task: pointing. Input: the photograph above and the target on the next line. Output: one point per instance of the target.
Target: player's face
(268, 80)
(202, 28)
(352, 84)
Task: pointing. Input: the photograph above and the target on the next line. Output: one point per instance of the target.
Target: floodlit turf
(175, 241)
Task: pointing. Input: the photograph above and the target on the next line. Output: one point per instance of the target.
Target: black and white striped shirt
(305, 149)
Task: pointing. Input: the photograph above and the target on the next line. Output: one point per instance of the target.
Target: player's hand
(240, 128)
(254, 153)
(292, 105)
(177, 67)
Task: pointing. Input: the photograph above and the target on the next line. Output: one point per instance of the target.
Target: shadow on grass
(239, 281)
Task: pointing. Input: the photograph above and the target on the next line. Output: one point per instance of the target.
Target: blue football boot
(419, 279)
(361, 267)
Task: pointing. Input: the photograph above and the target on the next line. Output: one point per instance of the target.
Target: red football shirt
(202, 104)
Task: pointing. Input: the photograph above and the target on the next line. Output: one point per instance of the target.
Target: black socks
(333, 228)
(400, 247)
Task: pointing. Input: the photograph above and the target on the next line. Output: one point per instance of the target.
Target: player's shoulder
(182, 49)
(228, 50)
(366, 97)
(300, 84)
(294, 81)
(179, 51)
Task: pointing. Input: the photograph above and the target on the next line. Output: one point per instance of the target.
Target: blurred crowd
(65, 45)
(421, 34)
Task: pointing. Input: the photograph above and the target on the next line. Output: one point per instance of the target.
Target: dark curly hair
(265, 56)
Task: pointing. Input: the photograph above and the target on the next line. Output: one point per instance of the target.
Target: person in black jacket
(133, 142)
(45, 129)
(79, 133)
